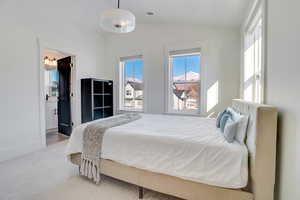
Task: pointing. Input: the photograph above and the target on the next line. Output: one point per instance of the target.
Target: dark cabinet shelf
(97, 108)
(96, 99)
(96, 94)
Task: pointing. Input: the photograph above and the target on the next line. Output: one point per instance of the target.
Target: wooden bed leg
(141, 192)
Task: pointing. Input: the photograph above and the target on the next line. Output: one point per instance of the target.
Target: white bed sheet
(190, 148)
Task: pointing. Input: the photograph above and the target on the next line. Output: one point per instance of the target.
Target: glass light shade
(117, 21)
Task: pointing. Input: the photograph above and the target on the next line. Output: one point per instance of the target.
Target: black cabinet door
(64, 99)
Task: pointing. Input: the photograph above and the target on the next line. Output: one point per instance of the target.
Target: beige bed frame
(261, 143)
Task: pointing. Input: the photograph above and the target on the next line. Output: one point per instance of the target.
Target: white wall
(21, 23)
(283, 91)
(221, 51)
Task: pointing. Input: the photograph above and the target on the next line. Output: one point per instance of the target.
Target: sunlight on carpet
(47, 175)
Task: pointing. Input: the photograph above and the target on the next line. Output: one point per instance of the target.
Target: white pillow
(242, 125)
(230, 130)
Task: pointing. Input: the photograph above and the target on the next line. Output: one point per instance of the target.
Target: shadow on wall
(286, 125)
(278, 157)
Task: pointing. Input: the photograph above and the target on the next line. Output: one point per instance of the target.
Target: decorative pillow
(230, 130)
(223, 120)
(242, 124)
(219, 118)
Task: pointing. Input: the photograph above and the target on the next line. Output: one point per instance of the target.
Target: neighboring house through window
(184, 81)
(131, 84)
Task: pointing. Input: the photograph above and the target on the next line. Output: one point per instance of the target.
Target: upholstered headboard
(261, 143)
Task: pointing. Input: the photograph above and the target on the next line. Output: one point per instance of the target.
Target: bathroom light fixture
(117, 20)
(50, 61)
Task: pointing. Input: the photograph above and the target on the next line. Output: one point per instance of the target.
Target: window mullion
(254, 66)
(133, 75)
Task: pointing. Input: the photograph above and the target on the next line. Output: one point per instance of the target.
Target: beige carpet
(46, 175)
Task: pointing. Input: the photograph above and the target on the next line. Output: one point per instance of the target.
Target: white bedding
(190, 148)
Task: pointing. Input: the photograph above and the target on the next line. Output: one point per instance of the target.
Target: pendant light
(117, 20)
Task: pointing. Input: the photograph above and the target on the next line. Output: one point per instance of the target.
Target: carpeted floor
(46, 175)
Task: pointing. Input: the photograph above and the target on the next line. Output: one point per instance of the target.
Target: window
(51, 82)
(253, 75)
(184, 81)
(131, 84)
(128, 92)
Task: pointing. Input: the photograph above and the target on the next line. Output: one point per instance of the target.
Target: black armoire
(96, 99)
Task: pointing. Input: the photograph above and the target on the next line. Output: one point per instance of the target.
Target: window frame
(169, 91)
(121, 79)
(257, 13)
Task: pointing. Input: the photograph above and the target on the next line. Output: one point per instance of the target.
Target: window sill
(127, 111)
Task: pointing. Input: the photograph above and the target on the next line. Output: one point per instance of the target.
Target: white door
(51, 113)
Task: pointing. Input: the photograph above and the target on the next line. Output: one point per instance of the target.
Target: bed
(187, 157)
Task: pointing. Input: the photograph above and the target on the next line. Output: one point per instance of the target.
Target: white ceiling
(225, 13)
(208, 12)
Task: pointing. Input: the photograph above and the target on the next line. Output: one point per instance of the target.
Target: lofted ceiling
(205, 12)
(225, 13)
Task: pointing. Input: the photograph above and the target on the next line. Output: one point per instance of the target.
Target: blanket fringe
(90, 168)
(92, 143)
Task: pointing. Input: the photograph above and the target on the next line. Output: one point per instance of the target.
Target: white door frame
(42, 100)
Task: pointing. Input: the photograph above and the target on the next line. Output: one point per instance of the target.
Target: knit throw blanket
(92, 143)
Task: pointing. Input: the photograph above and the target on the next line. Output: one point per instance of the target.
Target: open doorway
(57, 90)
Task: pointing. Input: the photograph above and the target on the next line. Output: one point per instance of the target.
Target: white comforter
(191, 148)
